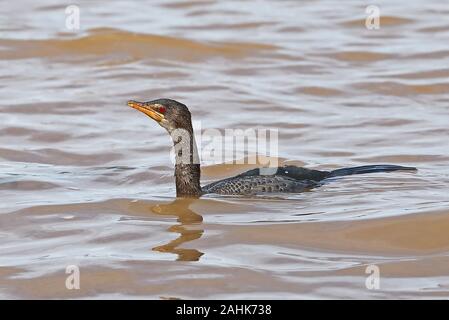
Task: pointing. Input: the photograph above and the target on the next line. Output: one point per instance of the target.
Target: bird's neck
(187, 167)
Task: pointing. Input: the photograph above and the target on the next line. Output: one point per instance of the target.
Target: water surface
(87, 181)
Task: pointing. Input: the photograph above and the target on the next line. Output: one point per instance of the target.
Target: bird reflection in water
(188, 228)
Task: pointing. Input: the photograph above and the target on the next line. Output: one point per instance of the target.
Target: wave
(401, 89)
(126, 45)
(385, 21)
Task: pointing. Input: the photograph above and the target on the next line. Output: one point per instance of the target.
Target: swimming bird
(176, 118)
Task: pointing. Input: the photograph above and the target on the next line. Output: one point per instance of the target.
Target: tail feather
(368, 169)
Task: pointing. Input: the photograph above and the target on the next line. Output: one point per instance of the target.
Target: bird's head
(169, 113)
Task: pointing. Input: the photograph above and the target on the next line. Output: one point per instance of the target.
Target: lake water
(87, 181)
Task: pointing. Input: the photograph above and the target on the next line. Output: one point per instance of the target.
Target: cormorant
(175, 117)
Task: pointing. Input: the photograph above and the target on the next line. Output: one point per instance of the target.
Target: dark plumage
(175, 117)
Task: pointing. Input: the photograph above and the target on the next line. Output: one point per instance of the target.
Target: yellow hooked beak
(149, 109)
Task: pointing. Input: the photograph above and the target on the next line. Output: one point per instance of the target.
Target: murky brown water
(87, 181)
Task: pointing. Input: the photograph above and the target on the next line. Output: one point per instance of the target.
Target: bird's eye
(162, 109)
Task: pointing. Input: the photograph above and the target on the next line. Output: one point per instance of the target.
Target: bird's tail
(368, 169)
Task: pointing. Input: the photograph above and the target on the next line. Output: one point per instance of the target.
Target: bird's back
(287, 179)
(257, 184)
